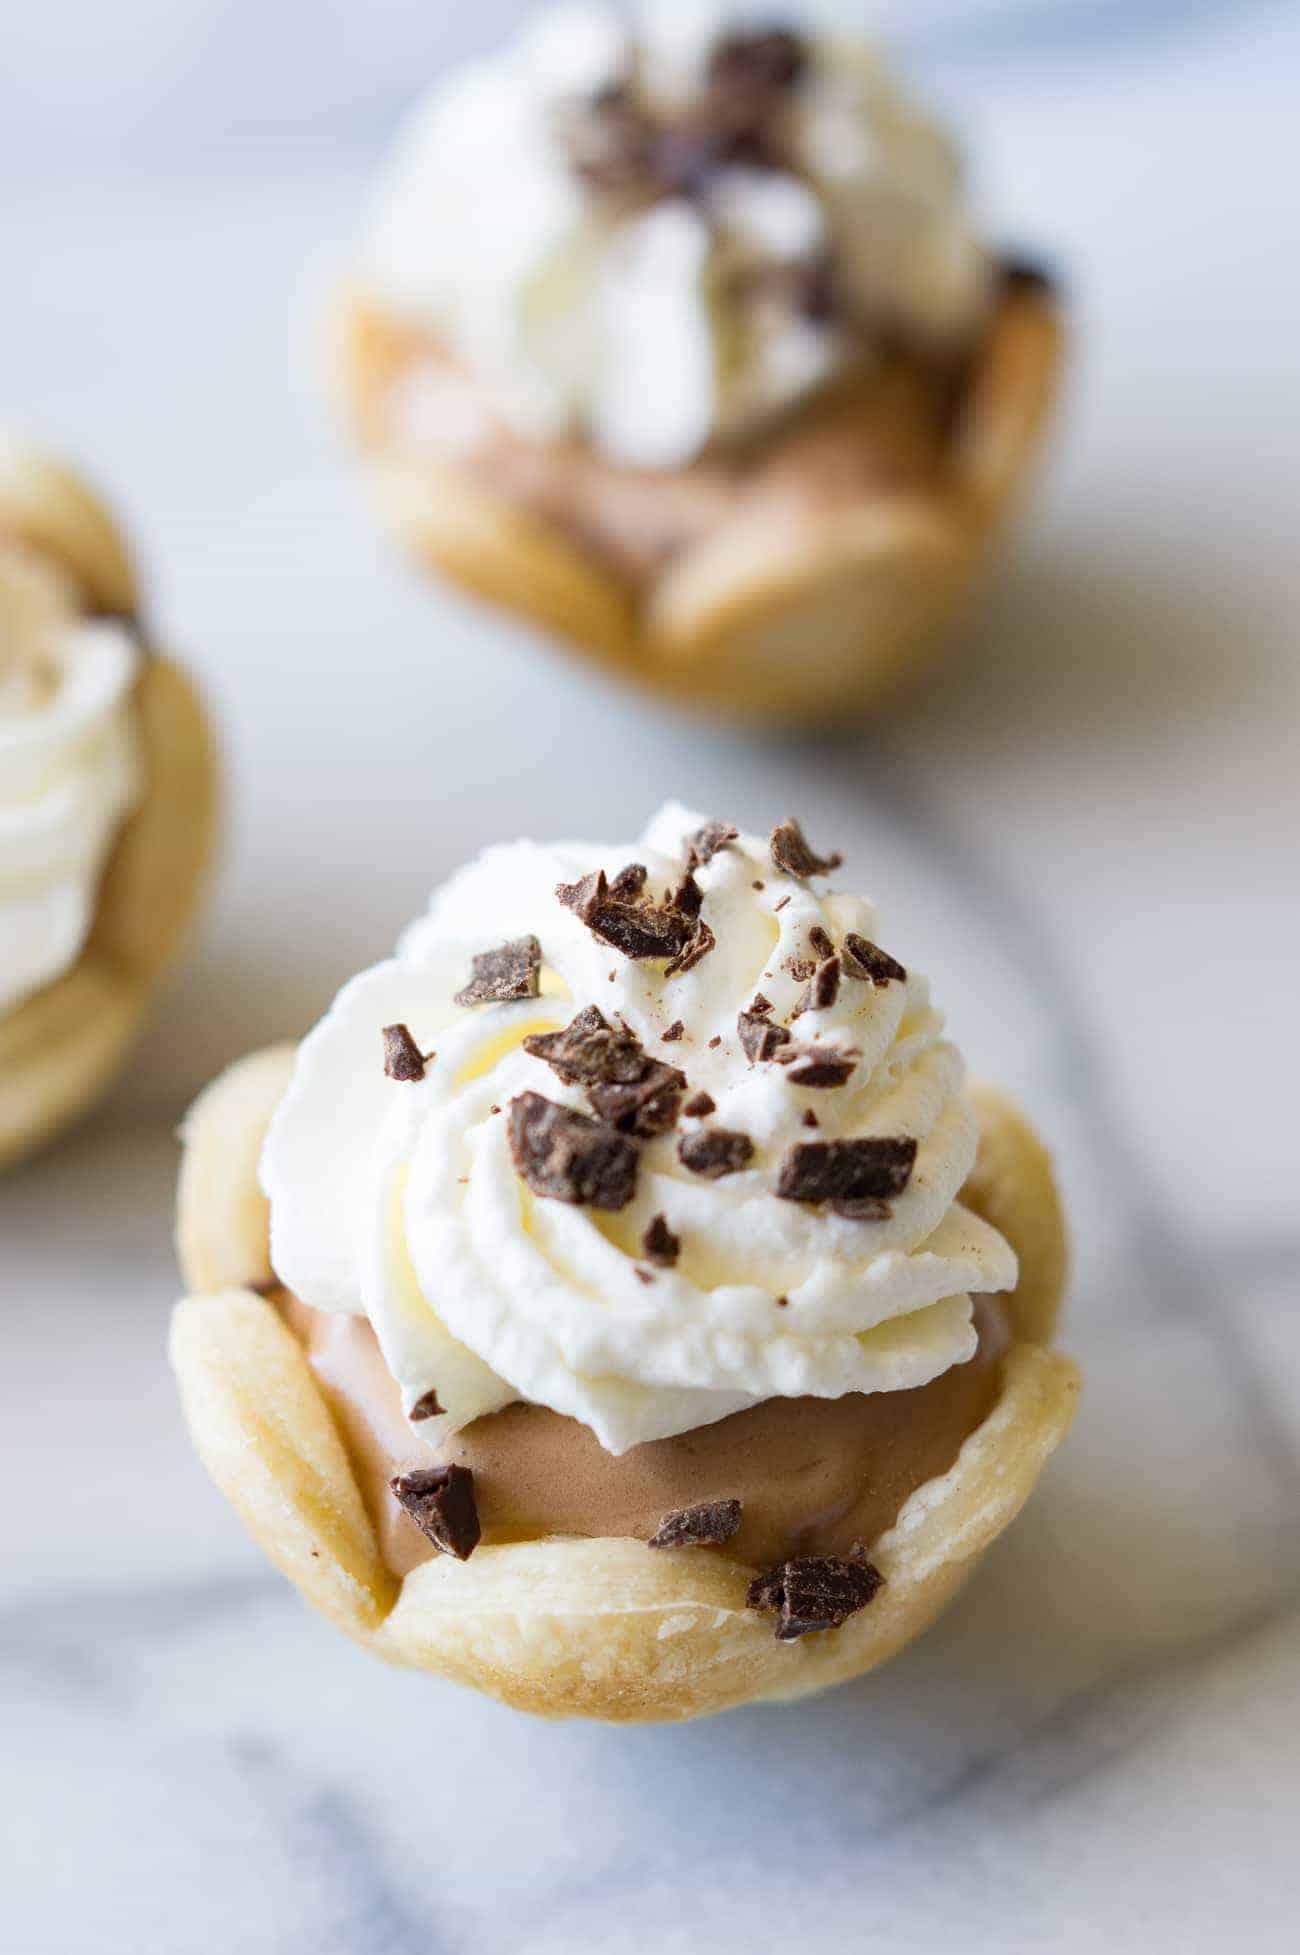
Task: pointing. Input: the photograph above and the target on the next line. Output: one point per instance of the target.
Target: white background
(1085, 829)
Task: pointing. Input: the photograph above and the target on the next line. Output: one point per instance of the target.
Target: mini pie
(107, 797)
(710, 375)
(618, 1302)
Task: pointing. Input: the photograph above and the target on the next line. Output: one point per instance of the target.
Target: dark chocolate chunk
(814, 1592)
(699, 1105)
(403, 1058)
(674, 1032)
(687, 897)
(715, 1151)
(501, 975)
(760, 1039)
(646, 1106)
(821, 941)
(564, 1156)
(440, 1500)
(810, 1118)
(659, 1244)
(590, 1049)
(427, 1406)
(715, 1042)
(792, 855)
(868, 962)
(818, 1065)
(637, 929)
(823, 987)
(705, 1525)
(855, 1176)
(698, 945)
(765, 60)
(629, 882)
(703, 845)
(642, 1275)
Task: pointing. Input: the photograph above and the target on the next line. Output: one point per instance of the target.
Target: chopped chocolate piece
(810, 1118)
(703, 845)
(800, 968)
(646, 1106)
(674, 1032)
(699, 1105)
(715, 1152)
(403, 1058)
(699, 945)
(440, 1500)
(706, 1525)
(821, 941)
(629, 882)
(783, 1303)
(758, 885)
(823, 987)
(590, 1049)
(764, 61)
(500, 975)
(818, 1065)
(855, 1176)
(781, 905)
(814, 1592)
(715, 1042)
(564, 1156)
(642, 1275)
(688, 897)
(793, 857)
(427, 1406)
(638, 929)
(760, 1039)
(867, 961)
(761, 1006)
(659, 1244)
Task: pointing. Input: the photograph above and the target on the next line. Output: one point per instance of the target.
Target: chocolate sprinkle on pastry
(823, 987)
(818, 1065)
(793, 857)
(706, 1525)
(502, 975)
(857, 1177)
(717, 1151)
(867, 961)
(674, 1032)
(565, 1157)
(590, 1049)
(699, 1105)
(703, 845)
(440, 1500)
(403, 1058)
(760, 1039)
(814, 1592)
(427, 1406)
(648, 1106)
(659, 1244)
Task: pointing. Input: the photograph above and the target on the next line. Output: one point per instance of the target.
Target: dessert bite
(682, 340)
(619, 1302)
(106, 800)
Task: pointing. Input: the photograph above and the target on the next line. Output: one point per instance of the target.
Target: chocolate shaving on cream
(638, 929)
(704, 844)
(427, 1406)
(707, 1524)
(792, 855)
(857, 1177)
(814, 1592)
(715, 1152)
(566, 1157)
(867, 961)
(700, 1105)
(818, 1065)
(625, 1085)
(659, 1244)
(440, 1500)
(760, 1039)
(822, 989)
(403, 1058)
(502, 975)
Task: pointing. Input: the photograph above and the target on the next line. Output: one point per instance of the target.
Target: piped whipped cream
(649, 239)
(403, 1198)
(70, 768)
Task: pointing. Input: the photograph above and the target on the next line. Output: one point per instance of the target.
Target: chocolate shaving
(699, 1105)
(814, 1592)
(818, 1065)
(688, 897)
(703, 845)
(504, 974)
(674, 1032)
(403, 1058)
(715, 1152)
(760, 1039)
(427, 1406)
(564, 1156)
(659, 1244)
(440, 1500)
(705, 1525)
(810, 1118)
(857, 1177)
(821, 941)
(638, 929)
(701, 942)
(867, 961)
(589, 1049)
(793, 857)
(629, 882)
(823, 988)
(647, 1107)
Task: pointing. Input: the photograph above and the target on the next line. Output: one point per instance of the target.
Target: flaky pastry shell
(61, 1048)
(605, 1629)
(772, 614)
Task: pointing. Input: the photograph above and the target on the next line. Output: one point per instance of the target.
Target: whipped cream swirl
(651, 240)
(70, 767)
(401, 1198)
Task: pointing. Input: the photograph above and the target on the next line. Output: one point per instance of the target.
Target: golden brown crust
(774, 612)
(603, 1628)
(61, 1048)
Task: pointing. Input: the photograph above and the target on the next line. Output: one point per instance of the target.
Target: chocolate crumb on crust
(703, 845)
(707, 1524)
(715, 1152)
(814, 1592)
(427, 1406)
(868, 962)
(566, 1157)
(674, 1032)
(440, 1500)
(792, 855)
(822, 989)
(403, 1058)
(659, 1244)
(502, 975)
(699, 1105)
(760, 1039)
(857, 1177)
(818, 1065)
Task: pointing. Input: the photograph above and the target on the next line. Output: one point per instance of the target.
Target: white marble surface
(1095, 812)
